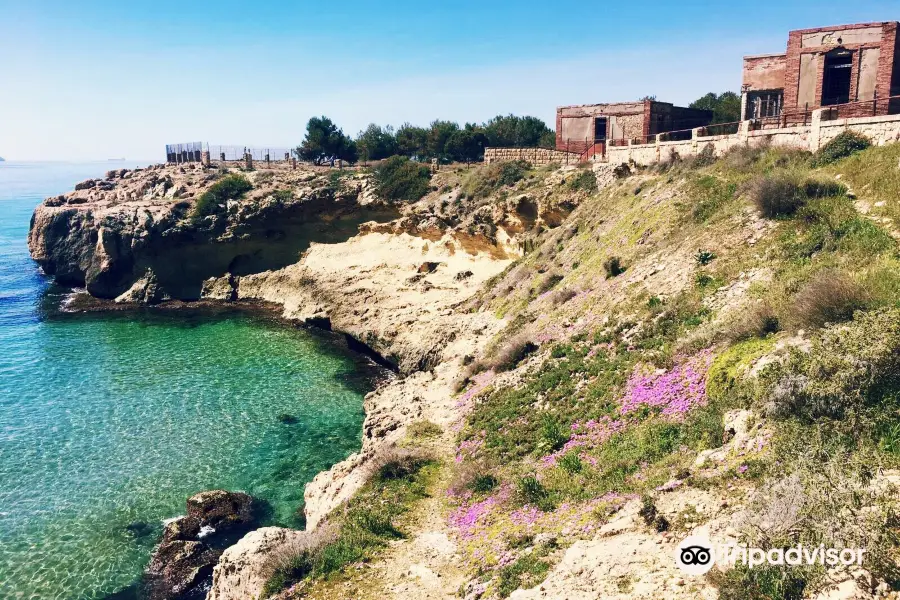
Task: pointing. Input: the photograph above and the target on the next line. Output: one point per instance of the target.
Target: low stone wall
(535, 156)
(880, 129)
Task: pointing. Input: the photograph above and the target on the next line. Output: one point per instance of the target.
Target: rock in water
(188, 551)
(221, 510)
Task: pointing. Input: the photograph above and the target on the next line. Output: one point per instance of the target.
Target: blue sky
(95, 80)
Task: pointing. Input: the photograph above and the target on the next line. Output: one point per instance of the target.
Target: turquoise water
(112, 419)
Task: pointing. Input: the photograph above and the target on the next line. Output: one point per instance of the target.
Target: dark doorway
(836, 81)
(599, 129)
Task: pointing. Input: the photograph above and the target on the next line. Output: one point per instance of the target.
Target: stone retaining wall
(535, 156)
(880, 129)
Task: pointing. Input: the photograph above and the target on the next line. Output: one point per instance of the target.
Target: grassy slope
(616, 380)
(709, 287)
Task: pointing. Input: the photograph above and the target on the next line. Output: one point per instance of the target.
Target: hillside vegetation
(727, 326)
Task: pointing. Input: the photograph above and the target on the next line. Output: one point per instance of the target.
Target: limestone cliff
(137, 227)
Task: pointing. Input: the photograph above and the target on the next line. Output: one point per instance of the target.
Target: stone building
(580, 127)
(825, 66)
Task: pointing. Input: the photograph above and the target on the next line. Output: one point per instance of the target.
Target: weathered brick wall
(535, 156)
(764, 72)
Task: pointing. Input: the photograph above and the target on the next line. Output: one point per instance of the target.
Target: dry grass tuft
(829, 297)
(776, 195)
(754, 320)
(510, 354)
(394, 462)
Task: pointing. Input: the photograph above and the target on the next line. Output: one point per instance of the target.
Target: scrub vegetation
(230, 187)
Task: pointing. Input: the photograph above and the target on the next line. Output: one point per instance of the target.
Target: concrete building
(581, 127)
(825, 66)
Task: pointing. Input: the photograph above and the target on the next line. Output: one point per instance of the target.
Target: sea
(110, 420)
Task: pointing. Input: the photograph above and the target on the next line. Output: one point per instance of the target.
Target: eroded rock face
(241, 572)
(191, 544)
(134, 236)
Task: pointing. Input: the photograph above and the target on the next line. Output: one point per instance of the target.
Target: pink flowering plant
(673, 392)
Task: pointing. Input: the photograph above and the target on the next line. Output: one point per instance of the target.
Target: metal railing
(788, 117)
(193, 152)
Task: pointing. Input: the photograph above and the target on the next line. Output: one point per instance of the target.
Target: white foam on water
(70, 297)
(205, 531)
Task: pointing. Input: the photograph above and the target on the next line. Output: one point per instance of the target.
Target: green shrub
(584, 181)
(843, 145)
(530, 491)
(763, 582)
(849, 369)
(651, 516)
(487, 179)
(511, 172)
(823, 188)
(613, 267)
(524, 573)
(725, 381)
(398, 178)
(283, 196)
(230, 187)
(704, 257)
(553, 435)
(424, 429)
(483, 483)
(571, 462)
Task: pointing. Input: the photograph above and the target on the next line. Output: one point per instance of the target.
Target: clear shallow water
(112, 419)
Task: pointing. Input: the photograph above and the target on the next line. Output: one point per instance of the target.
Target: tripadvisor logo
(696, 555)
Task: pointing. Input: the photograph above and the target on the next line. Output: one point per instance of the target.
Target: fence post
(815, 131)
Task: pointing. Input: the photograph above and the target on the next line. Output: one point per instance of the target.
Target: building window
(836, 80)
(599, 129)
(764, 104)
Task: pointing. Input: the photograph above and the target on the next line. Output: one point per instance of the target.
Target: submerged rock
(288, 419)
(139, 529)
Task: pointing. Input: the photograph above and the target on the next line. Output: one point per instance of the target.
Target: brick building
(825, 66)
(580, 127)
